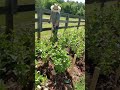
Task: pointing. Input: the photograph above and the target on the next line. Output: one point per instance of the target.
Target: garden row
(58, 58)
(103, 43)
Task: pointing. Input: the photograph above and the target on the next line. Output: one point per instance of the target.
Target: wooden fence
(40, 12)
(10, 9)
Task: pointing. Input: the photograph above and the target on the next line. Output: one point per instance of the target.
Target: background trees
(67, 7)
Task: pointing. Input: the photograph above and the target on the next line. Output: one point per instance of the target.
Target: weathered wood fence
(40, 12)
(10, 9)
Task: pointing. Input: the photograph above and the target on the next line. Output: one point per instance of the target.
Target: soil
(105, 82)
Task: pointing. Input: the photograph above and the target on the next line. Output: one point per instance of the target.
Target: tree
(70, 7)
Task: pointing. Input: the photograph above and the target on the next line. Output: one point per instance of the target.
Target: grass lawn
(2, 3)
(47, 34)
(81, 84)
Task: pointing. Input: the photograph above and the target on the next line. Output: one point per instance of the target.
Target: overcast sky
(77, 0)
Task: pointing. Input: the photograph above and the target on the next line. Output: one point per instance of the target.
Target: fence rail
(20, 8)
(10, 9)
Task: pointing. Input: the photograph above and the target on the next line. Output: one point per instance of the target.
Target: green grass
(47, 34)
(19, 18)
(24, 2)
(61, 18)
(2, 3)
(81, 84)
(2, 20)
(20, 2)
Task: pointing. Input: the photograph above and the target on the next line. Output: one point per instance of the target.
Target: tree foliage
(67, 7)
(102, 33)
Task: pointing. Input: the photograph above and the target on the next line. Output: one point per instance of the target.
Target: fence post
(11, 6)
(95, 78)
(14, 6)
(118, 3)
(117, 77)
(40, 13)
(67, 21)
(79, 19)
(9, 17)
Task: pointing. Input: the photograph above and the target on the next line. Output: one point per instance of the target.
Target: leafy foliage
(81, 84)
(102, 32)
(56, 53)
(60, 59)
(40, 79)
(74, 40)
(2, 85)
(42, 49)
(16, 56)
(67, 7)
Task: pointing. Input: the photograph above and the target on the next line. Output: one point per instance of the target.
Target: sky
(77, 0)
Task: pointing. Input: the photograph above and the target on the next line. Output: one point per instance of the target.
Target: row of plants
(103, 43)
(74, 40)
(102, 37)
(80, 85)
(57, 53)
(16, 59)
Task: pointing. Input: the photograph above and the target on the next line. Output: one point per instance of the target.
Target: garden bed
(60, 66)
